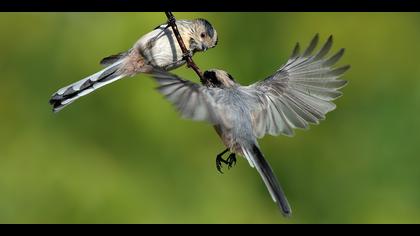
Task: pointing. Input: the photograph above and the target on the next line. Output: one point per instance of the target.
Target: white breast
(160, 48)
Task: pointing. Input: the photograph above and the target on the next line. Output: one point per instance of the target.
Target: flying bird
(156, 49)
(296, 95)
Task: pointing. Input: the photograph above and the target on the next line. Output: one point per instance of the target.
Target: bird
(298, 94)
(156, 49)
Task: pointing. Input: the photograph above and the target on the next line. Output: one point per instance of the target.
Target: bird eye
(202, 35)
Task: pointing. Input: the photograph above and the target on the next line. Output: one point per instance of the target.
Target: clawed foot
(230, 161)
(187, 54)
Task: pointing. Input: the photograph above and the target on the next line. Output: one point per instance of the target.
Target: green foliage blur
(123, 155)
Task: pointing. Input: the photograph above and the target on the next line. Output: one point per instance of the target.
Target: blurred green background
(123, 155)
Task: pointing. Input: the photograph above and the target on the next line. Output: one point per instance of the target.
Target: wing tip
(343, 84)
(311, 46)
(341, 51)
(347, 67)
(330, 37)
(343, 69)
(296, 51)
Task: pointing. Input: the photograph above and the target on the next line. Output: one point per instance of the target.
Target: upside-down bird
(296, 95)
(157, 49)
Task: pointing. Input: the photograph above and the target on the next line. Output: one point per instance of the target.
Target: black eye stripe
(230, 77)
(216, 82)
(210, 75)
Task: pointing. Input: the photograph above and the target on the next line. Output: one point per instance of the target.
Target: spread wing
(192, 100)
(300, 92)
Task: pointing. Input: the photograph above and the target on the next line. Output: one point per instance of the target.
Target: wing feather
(193, 101)
(300, 92)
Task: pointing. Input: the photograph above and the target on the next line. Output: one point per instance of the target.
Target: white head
(199, 34)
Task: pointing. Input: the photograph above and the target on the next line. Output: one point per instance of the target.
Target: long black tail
(256, 158)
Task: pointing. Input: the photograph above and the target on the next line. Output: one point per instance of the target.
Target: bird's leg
(186, 55)
(229, 161)
(184, 58)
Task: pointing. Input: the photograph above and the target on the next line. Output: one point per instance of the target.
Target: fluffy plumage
(296, 95)
(156, 49)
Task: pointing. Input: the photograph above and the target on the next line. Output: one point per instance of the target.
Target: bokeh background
(123, 155)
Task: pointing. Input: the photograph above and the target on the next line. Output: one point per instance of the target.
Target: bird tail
(256, 159)
(71, 93)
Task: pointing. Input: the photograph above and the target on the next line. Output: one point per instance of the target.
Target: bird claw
(230, 162)
(219, 161)
(187, 54)
(219, 164)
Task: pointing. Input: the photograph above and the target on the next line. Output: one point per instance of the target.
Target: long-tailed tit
(157, 49)
(296, 95)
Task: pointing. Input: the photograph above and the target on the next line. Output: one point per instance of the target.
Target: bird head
(218, 79)
(202, 35)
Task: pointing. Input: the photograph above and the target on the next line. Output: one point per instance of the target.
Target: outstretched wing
(300, 92)
(192, 100)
